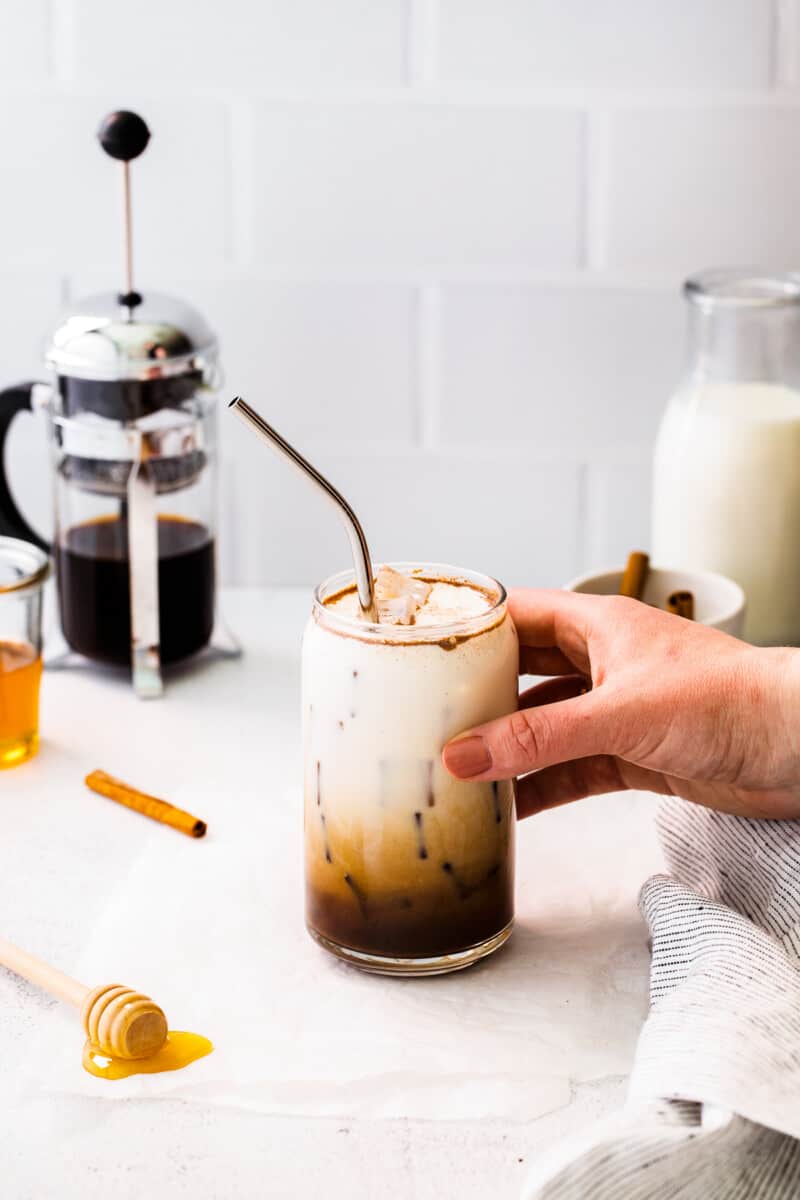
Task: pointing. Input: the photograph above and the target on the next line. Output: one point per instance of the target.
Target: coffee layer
(430, 876)
(413, 925)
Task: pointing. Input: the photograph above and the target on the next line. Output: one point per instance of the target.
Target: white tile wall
(240, 43)
(30, 300)
(580, 367)
(617, 509)
(60, 196)
(693, 186)
(608, 43)
(355, 185)
(24, 50)
(442, 242)
(330, 362)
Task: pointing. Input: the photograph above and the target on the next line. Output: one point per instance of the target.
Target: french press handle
(14, 400)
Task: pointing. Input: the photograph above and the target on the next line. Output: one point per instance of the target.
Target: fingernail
(467, 756)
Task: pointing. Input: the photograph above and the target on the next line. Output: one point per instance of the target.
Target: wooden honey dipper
(120, 1022)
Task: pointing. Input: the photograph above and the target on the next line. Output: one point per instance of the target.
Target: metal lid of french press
(124, 355)
(100, 338)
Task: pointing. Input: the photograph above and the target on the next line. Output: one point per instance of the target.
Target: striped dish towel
(713, 1111)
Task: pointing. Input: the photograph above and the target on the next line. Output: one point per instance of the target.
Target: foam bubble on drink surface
(412, 600)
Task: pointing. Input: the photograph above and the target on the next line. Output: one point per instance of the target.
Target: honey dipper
(120, 1022)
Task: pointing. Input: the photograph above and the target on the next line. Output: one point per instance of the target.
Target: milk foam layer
(447, 603)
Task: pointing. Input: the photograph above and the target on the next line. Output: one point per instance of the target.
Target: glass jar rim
(743, 288)
(464, 627)
(29, 563)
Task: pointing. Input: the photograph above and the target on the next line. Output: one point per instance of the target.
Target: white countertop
(571, 987)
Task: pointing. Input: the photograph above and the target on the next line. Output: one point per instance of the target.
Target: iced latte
(407, 870)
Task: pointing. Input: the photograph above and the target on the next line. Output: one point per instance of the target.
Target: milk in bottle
(726, 486)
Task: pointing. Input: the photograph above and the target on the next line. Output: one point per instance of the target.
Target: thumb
(535, 737)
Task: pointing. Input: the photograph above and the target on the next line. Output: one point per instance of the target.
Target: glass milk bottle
(726, 486)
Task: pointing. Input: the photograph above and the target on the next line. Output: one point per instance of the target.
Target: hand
(644, 700)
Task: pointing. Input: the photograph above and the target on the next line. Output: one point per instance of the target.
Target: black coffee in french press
(132, 411)
(93, 572)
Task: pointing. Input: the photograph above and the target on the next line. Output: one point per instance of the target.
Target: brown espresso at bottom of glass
(412, 926)
(429, 906)
(93, 572)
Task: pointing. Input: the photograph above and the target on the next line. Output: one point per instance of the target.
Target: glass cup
(408, 871)
(23, 570)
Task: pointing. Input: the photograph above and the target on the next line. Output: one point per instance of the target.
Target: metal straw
(358, 543)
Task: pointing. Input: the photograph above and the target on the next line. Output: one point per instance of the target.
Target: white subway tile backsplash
(507, 516)
(29, 303)
(613, 44)
(617, 512)
(690, 188)
(61, 198)
(267, 44)
(569, 369)
(787, 44)
(322, 361)
(24, 48)
(416, 184)
(441, 241)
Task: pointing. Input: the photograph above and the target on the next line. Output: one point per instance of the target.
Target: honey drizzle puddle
(178, 1051)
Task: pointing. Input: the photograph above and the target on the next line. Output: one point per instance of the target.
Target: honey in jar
(20, 673)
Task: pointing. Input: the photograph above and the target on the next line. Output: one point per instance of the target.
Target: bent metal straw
(358, 543)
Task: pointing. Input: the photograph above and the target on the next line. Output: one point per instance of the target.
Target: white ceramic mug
(718, 601)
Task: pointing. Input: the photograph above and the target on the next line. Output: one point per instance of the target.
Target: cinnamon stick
(149, 806)
(681, 604)
(635, 575)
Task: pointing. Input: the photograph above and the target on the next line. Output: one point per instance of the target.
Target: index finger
(552, 619)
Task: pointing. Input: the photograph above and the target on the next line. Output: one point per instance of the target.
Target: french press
(131, 407)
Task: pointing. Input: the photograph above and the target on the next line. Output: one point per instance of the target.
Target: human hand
(645, 700)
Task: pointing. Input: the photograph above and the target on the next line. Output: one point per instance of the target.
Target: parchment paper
(213, 930)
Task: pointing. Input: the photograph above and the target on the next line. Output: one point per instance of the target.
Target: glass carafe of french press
(131, 409)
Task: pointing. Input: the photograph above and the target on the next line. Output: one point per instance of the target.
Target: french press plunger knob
(123, 135)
